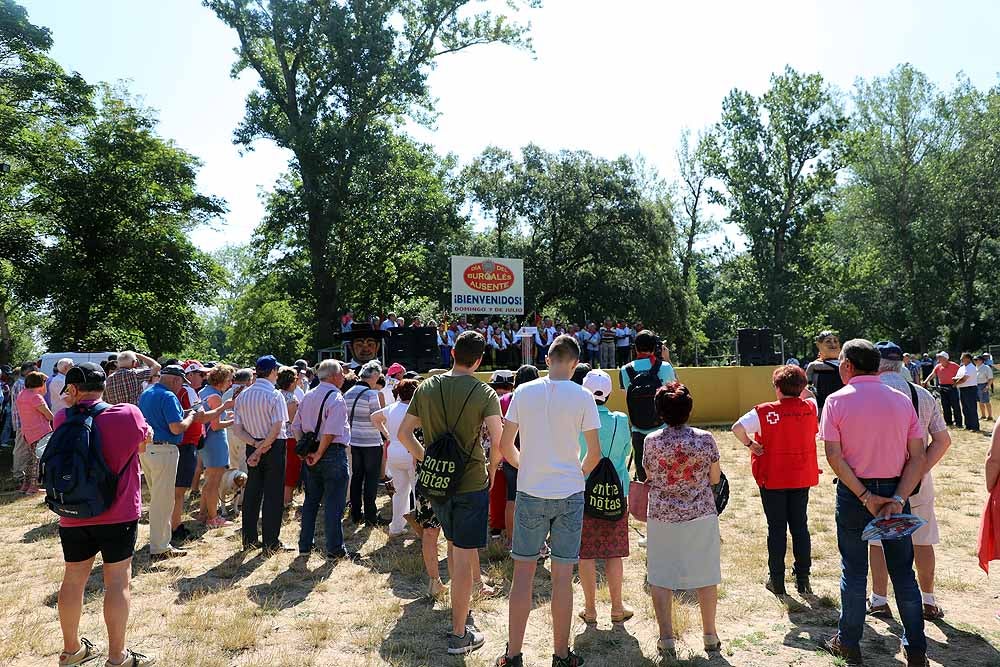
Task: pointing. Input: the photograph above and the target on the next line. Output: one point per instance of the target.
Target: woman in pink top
(36, 424)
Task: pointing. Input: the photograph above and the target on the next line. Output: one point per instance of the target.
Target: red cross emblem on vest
(772, 418)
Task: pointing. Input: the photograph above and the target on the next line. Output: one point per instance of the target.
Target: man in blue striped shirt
(260, 421)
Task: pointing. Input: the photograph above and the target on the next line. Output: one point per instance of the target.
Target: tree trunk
(6, 344)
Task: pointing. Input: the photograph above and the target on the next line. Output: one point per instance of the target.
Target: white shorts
(928, 535)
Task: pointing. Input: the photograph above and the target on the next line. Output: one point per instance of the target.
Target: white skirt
(683, 556)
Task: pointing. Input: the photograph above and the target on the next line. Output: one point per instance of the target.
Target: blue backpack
(77, 480)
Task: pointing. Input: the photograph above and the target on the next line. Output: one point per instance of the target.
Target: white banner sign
(487, 286)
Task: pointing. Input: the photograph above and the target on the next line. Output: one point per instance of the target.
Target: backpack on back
(78, 483)
(827, 382)
(640, 395)
(603, 495)
(439, 474)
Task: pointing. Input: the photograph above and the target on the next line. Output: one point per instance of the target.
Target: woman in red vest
(783, 460)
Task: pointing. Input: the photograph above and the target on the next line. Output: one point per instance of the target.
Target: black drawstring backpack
(603, 495)
(438, 475)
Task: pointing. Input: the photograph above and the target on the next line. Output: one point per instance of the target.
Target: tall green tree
(899, 126)
(116, 204)
(776, 157)
(34, 92)
(495, 183)
(334, 75)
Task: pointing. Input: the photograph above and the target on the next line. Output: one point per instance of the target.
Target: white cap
(194, 367)
(944, 354)
(598, 383)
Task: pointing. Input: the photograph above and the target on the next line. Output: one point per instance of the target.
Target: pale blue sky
(615, 77)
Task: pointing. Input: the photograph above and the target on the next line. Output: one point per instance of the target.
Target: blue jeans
(852, 517)
(538, 518)
(326, 482)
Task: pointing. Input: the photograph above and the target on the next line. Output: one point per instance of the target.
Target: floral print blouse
(677, 463)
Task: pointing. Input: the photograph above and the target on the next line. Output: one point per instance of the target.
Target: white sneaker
(642, 542)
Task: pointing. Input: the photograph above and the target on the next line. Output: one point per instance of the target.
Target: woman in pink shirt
(36, 424)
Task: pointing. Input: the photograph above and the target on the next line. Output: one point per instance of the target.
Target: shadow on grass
(43, 532)
(419, 633)
(291, 587)
(962, 648)
(615, 646)
(224, 575)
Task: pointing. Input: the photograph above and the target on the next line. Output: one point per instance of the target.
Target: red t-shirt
(946, 373)
(188, 397)
(121, 428)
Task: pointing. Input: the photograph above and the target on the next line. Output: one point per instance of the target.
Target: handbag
(309, 442)
(638, 499)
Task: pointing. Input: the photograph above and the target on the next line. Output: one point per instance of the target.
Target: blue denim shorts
(465, 518)
(984, 393)
(561, 519)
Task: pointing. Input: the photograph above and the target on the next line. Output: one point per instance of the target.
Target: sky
(622, 77)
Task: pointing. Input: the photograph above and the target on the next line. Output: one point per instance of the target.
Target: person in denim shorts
(550, 414)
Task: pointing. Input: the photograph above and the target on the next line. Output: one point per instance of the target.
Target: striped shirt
(258, 407)
(363, 401)
(15, 419)
(125, 385)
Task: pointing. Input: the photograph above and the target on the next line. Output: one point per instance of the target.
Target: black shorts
(187, 461)
(510, 475)
(115, 542)
(465, 518)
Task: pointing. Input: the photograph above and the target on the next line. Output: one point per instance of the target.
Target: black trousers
(638, 439)
(366, 469)
(969, 398)
(787, 509)
(264, 495)
(950, 404)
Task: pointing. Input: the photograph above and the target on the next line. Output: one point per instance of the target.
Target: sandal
(932, 612)
(622, 617)
(86, 653)
(589, 620)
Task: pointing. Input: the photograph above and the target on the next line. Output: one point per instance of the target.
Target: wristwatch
(899, 499)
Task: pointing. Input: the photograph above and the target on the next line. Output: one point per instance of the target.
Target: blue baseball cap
(889, 350)
(266, 364)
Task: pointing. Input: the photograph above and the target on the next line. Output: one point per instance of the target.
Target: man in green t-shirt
(459, 402)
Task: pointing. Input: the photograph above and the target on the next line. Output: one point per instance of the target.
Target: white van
(49, 359)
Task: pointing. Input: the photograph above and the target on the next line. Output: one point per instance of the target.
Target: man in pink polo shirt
(124, 435)
(875, 446)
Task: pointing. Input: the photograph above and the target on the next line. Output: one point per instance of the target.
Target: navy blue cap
(266, 364)
(889, 350)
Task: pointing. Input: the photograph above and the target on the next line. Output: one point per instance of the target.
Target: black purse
(309, 442)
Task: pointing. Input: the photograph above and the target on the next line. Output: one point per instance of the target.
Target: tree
(776, 157)
(34, 92)
(967, 206)
(116, 203)
(596, 235)
(899, 125)
(495, 184)
(694, 196)
(333, 76)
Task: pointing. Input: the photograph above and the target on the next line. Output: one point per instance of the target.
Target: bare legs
(116, 604)
(209, 505)
(615, 572)
(663, 598)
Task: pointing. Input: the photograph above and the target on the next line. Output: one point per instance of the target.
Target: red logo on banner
(488, 276)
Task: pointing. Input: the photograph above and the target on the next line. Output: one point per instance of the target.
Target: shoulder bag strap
(462, 411)
(319, 419)
(915, 398)
(356, 399)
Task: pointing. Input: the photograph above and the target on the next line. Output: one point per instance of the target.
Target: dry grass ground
(217, 608)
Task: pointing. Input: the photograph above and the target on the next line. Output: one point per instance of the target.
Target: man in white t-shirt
(967, 380)
(57, 401)
(550, 414)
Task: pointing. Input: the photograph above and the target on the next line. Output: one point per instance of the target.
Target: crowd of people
(604, 344)
(512, 459)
